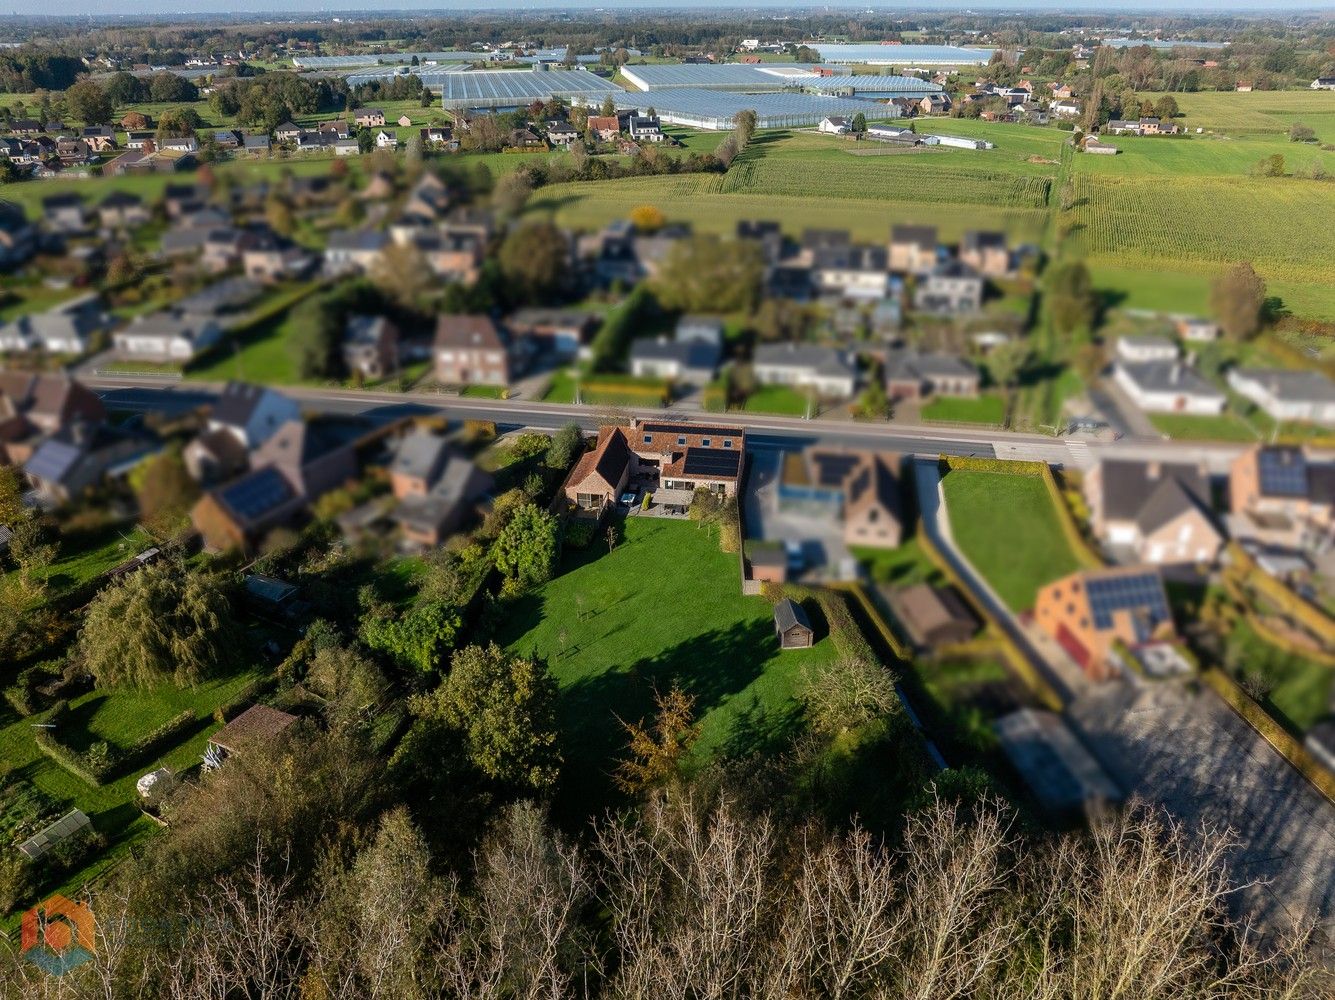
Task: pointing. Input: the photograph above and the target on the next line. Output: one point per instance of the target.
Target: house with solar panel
(1283, 496)
(860, 489)
(1091, 613)
(1153, 511)
(671, 460)
(79, 457)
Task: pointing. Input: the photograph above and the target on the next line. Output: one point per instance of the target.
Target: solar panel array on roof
(1283, 472)
(52, 460)
(657, 428)
(832, 468)
(516, 88)
(257, 494)
(711, 462)
(1140, 593)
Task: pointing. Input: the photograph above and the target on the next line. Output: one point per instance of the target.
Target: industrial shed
(715, 109)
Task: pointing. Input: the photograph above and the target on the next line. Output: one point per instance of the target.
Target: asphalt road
(143, 394)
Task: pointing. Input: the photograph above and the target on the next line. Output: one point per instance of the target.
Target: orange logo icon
(57, 935)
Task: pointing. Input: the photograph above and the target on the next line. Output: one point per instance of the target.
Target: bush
(579, 533)
(95, 770)
(246, 697)
(848, 639)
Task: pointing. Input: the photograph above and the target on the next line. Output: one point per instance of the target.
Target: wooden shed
(791, 625)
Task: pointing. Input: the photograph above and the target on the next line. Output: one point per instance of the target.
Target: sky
(262, 7)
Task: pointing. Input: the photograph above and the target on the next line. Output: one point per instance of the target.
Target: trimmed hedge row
(1016, 660)
(1308, 615)
(1075, 539)
(244, 698)
(1271, 731)
(97, 771)
(874, 615)
(848, 639)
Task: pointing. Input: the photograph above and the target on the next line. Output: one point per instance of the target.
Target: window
(648, 439)
(681, 439)
(727, 442)
(704, 442)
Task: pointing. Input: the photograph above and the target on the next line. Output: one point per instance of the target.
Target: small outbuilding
(933, 616)
(257, 725)
(71, 824)
(792, 625)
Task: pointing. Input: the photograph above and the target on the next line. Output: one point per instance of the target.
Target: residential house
(834, 125)
(179, 144)
(825, 370)
(436, 485)
(853, 271)
(215, 456)
(122, 210)
(601, 475)
(933, 616)
(404, 121)
(438, 135)
(986, 252)
(560, 133)
(141, 141)
(34, 406)
(792, 626)
(703, 329)
(935, 104)
(79, 456)
(66, 328)
(526, 139)
(913, 375)
(470, 350)
(226, 139)
(1168, 387)
(1284, 496)
(63, 212)
(1157, 512)
(251, 413)
(18, 238)
(371, 346)
(1065, 109)
(766, 233)
(165, 336)
(913, 249)
(1147, 347)
(690, 362)
(353, 251)
(1091, 612)
(1306, 396)
(184, 199)
(98, 138)
(256, 143)
(386, 140)
(268, 258)
(1323, 83)
(301, 462)
(347, 147)
(369, 118)
(74, 152)
(951, 288)
(561, 333)
(1194, 329)
(604, 128)
(860, 489)
(643, 128)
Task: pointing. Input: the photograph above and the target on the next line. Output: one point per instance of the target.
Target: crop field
(1213, 155)
(1257, 112)
(1199, 225)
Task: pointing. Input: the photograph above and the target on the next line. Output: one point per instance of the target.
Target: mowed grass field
(1007, 528)
(804, 179)
(664, 607)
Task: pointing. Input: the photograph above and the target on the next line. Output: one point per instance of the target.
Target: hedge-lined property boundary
(116, 760)
(1271, 731)
(1308, 615)
(877, 618)
(1015, 660)
(1075, 539)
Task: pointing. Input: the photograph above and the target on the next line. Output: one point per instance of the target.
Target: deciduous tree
(1237, 297)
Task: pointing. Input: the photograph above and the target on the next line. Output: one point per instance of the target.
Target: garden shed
(792, 626)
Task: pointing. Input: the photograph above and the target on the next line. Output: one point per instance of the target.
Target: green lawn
(981, 410)
(779, 399)
(484, 392)
(665, 607)
(1300, 689)
(1224, 427)
(898, 567)
(119, 717)
(83, 555)
(1007, 528)
(593, 390)
(263, 351)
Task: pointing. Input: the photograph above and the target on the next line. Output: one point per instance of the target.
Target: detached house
(986, 252)
(692, 362)
(825, 370)
(470, 350)
(604, 128)
(1168, 387)
(370, 118)
(1091, 612)
(1283, 496)
(436, 486)
(1158, 511)
(166, 336)
(371, 346)
(1306, 396)
(949, 289)
(862, 489)
(913, 249)
(913, 375)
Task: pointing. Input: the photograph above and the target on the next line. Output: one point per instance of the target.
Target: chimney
(1154, 470)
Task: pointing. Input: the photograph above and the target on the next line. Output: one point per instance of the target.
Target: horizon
(160, 9)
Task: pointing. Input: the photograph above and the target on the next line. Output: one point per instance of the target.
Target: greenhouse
(903, 55)
(519, 88)
(716, 109)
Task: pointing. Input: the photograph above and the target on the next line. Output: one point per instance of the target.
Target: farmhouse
(1090, 612)
(1168, 387)
(1306, 396)
(1158, 512)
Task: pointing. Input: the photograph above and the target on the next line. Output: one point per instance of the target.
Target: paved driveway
(821, 537)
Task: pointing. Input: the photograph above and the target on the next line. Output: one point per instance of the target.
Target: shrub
(579, 533)
(246, 697)
(95, 769)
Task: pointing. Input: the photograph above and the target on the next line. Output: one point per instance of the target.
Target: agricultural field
(1260, 112)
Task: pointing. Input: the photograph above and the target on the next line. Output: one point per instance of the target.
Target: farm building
(715, 109)
(767, 77)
